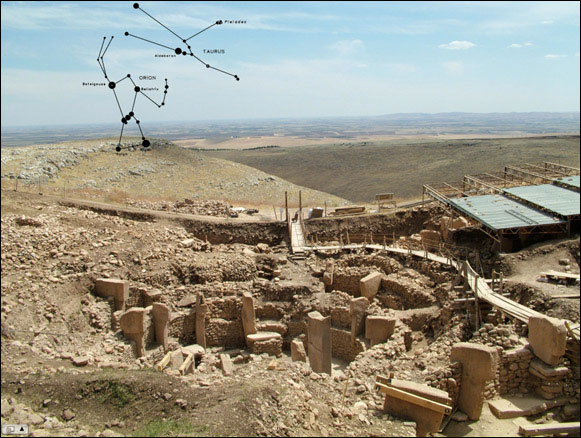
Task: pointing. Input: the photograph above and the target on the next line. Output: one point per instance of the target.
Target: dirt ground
(51, 318)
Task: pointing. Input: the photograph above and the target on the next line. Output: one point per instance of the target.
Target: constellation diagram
(126, 117)
(179, 50)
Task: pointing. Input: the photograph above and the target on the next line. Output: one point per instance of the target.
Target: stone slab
(546, 371)
(113, 287)
(548, 338)
(514, 407)
(319, 338)
(369, 285)
(379, 329)
(479, 364)
(298, 351)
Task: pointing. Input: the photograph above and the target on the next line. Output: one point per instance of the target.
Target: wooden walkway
(297, 238)
(477, 284)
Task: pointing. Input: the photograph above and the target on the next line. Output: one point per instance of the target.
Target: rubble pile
(187, 206)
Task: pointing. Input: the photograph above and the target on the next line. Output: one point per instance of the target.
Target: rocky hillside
(163, 171)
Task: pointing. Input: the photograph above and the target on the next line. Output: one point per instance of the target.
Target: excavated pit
(205, 275)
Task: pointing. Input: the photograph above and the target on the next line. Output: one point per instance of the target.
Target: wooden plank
(565, 296)
(570, 331)
(548, 429)
(414, 399)
(186, 363)
(559, 274)
(163, 363)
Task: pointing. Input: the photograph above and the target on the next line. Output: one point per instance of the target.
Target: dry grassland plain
(358, 170)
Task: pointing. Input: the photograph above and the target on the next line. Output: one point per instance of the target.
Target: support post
(300, 205)
(476, 304)
(286, 205)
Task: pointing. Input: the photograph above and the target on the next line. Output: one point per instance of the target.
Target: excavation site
(184, 320)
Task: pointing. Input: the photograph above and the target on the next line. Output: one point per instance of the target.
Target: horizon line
(3, 128)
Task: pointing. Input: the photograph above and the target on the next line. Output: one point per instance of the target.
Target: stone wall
(272, 347)
(296, 327)
(282, 291)
(341, 318)
(448, 378)
(347, 279)
(182, 326)
(223, 333)
(342, 346)
(513, 377)
(135, 298)
(269, 311)
(225, 308)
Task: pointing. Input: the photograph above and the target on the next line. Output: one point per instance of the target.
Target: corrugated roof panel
(499, 212)
(573, 181)
(554, 198)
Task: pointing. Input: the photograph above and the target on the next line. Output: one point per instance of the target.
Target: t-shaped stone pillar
(357, 311)
(133, 325)
(248, 315)
(319, 342)
(113, 287)
(328, 275)
(369, 285)
(548, 338)
(378, 329)
(161, 315)
(201, 310)
(479, 364)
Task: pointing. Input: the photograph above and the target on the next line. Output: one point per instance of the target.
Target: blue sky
(304, 59)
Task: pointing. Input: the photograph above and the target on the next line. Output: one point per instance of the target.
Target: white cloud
(520, 45)
(553, 56)
(347, 47)
(457, 45)
(454, 68)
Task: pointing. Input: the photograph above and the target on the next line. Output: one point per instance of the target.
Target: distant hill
(166, 171)
(333, 127)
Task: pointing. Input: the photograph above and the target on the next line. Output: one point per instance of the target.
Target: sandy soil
(290, 141)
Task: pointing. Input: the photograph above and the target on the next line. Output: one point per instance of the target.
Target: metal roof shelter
(550, 197)
(498, 212)
(531, 199)
(571, 181)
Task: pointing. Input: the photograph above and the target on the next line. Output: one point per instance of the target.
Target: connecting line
(179, 50)
(136, 6)
(149, 41)
(137, 89)
(124, 77)
(214, 68)
(203, 30)
(118, 104)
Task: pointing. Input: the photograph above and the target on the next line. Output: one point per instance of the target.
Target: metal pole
(300, 204)
(286, 204)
